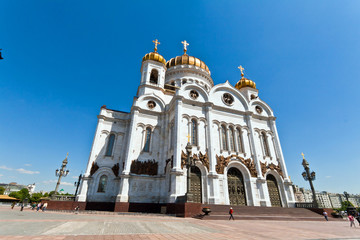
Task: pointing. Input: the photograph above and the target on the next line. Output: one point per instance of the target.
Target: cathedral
(227, 132)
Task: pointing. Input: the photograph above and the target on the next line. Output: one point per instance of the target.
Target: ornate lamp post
(189, 163)
(77, 184)
(309, 177)
(62, 172)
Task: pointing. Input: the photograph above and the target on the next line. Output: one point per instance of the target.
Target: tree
(345, 205)
(2, 190)
(22, 194)
(15, 195)
(35, 197)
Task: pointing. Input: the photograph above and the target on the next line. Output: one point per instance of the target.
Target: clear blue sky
(65, 59)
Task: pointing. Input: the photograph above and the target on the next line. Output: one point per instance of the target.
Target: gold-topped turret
(186, 60)
(155, 56)
(244, 82)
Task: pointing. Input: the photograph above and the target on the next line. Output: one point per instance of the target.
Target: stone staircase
(221, 212)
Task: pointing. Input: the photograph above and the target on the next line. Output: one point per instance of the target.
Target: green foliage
(35, 197)
(51, 193)
(22, 194)
(345, 205)
(15, 195)
(46, 194)
(2, 190)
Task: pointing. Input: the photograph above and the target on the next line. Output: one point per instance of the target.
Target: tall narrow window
(265, 143)
(102, 183)
(147, 140)
(240, 142)
(110, 145)
(194, 132)
(232, 140)
(154, 76)
(223, 138)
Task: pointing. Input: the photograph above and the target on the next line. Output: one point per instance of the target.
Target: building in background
(14, 187)
(325, 199)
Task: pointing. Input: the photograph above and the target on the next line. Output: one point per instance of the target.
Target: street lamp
(62, 172)
(309, 177)
(189, 164)
(76, 184)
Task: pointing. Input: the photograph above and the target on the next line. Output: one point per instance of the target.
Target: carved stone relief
(115, 169)
(222, 162)
(265, 167)
(149, 167)
(203, 158)
(94, 168)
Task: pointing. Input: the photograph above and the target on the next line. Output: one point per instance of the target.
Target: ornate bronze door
(237, 195)
(195, 185)
(273, 191)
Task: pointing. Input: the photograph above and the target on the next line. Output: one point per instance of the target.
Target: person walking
(22, 207)
(352, 220)
(38, 207)
(13, 205)
(231, 211)
(44, 207)
(77, 209)
(325, 215)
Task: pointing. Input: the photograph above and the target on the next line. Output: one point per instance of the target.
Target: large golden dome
(187, 60)
(244, 82)
(155, 57)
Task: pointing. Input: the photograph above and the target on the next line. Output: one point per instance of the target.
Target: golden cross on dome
(303, 155)
(241, 70)
(185, 43)
(156, 42)
(188, 136)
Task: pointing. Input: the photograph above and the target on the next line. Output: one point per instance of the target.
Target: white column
(260, 182)
(123, 195)
(290, 198)
(177, 185)
(214, 193)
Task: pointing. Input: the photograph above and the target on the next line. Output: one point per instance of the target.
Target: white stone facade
(182, 103)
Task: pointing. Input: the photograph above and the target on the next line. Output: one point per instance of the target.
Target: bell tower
(152, 72)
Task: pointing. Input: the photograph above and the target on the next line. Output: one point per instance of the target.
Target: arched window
(265, 144)
(147, 140)
(154, 76)
(240, 142)
(102, 183)
(110, 145)
(232, 140)
(223, 137)
(194, 132)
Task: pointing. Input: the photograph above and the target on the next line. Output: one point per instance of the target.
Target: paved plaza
(55, 225)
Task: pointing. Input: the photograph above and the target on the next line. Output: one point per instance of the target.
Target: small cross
(241, 70)
(185, 45)
(188, 136)
(156, 42)
(303, 155)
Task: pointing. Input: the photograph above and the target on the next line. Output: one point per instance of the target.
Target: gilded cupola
(244, 82)
(187, 60)
(155, 56)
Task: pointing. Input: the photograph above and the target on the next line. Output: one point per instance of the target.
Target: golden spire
(185, 46)
(241, 70)
(156, 42)
(303, 155)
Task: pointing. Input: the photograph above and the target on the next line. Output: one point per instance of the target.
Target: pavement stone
(68, 226)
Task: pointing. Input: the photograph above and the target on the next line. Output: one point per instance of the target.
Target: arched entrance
(273, 191)
(195, 185)
(237, 195)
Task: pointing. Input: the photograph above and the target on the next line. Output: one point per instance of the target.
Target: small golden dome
(187, 60)
(244, 82)
(155, 57)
